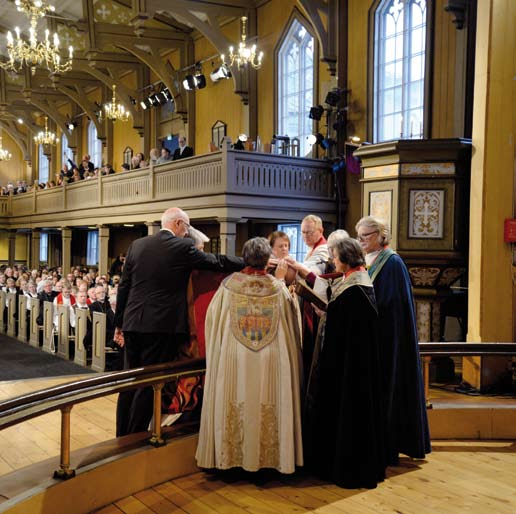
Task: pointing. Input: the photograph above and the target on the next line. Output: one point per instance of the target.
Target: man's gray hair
(256, 252)
(170, 215)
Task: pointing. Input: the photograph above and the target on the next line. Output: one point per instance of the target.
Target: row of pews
(15, 323)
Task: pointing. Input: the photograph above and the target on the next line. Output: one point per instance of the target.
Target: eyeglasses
(363, 237)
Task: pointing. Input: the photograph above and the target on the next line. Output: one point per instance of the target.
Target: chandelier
(114, 111)
(244, 55)
(5, 155)
(35, 53)
(47, 137)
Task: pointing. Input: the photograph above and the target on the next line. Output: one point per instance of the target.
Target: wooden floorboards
(458, 477)
(39, 439)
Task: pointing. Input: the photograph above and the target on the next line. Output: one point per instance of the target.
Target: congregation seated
(46, 295)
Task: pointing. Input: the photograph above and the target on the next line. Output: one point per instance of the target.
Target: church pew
(11, 306)
(64, 331)
(22, 318)
(81, 326)
(2, 310)
(48, 327)
(34, 328)
(98, 352)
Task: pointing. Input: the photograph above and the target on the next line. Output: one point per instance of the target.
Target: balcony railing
(307, 183)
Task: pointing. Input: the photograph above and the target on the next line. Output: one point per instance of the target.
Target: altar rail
(227, 172)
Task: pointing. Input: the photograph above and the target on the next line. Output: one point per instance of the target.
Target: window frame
(41, 156)
(429, 59)
(90, 247)
(296, 15)
(43, 247)
(94, 145)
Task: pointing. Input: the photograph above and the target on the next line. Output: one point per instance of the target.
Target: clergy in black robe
(344, 424)
(404, 395)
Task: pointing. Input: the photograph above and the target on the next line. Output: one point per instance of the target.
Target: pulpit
(421, 188)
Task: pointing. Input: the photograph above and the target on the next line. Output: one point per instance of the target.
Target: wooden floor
(458, 477)
(39, 439)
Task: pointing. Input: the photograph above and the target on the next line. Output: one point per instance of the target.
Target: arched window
(43, 166)
(399, 69)
(296, 80)
(94, 145)
(64, 148)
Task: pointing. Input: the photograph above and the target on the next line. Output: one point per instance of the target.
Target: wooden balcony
(228, 184)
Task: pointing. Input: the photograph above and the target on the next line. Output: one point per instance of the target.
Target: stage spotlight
(316, 112)
(154, 100)
(333, 97)
(327, 142)
(223, 72)
(339, 165)
(315, 139)
(166, 95)
(192, 82)
(145, 103)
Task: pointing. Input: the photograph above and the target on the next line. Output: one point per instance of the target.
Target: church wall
(13, 170)
(21, 247)
(4, 247)
(217, 101)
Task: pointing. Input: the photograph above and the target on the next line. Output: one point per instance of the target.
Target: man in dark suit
(151, 317)
(183, 150)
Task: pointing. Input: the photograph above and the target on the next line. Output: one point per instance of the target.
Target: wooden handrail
(34, 404)
(467, 349)
(64, 397)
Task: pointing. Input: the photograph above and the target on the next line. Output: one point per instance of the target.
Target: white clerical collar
(370, 257)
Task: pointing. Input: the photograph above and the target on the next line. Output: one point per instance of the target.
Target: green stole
(379, 262)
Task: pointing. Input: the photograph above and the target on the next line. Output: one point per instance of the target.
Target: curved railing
(64, 397)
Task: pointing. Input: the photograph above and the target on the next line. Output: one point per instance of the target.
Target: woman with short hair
(344, 428)
(404, 394)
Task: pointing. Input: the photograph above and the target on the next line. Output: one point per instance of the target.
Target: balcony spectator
(165, 156)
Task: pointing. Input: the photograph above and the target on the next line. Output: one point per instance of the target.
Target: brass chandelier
(114, 111)
(35, 53)
(5, 155)
(244, 55)
(46, 137)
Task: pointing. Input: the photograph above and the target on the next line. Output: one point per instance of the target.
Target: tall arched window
(43, 167)
(296, 79)
(399, 69)
(94, 145)
(64, 148)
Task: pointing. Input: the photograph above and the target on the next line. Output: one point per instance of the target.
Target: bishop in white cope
(251, 411)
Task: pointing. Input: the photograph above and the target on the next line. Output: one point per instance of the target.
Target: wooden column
(491, 288)
(228, 235)
(35, 243)
(66, 242)
(152, 227)
(103, 249)
(11, 235)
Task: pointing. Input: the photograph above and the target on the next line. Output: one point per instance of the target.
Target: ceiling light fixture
(114, 111)
(35, 53)
(244, 56)
(46, 137)
(5, 155)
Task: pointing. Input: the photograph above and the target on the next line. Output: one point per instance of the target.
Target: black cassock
(344, 424)
(403, 389)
